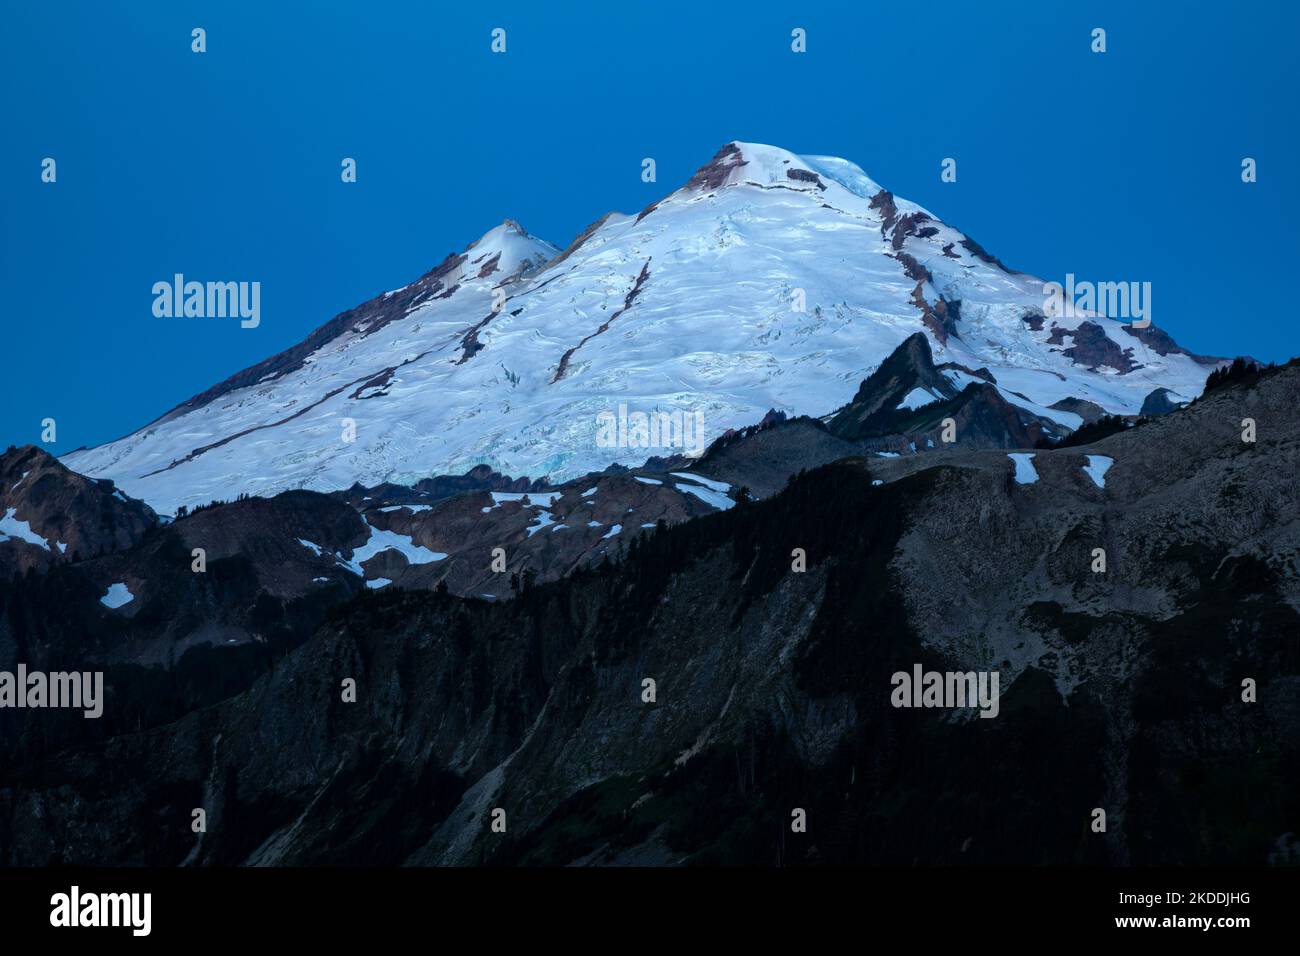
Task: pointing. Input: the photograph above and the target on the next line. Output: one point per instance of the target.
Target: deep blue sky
(225, 165)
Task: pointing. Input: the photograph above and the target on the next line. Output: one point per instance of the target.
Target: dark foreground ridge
(1121, 690)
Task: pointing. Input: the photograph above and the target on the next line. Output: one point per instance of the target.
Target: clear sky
(225, 165)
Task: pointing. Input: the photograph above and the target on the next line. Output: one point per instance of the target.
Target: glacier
(768, 281)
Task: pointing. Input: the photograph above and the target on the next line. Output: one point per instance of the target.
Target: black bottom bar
(335, 905)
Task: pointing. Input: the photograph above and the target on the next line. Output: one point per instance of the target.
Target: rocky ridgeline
(673, 698)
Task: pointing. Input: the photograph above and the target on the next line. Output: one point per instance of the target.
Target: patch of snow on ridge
(700, 479)
(116, 596)
(386, 541)
(1097, 467)
(536, 499)
(708, 496)
(961, 379)
(917, 398)
(313, 548)
(11, 527)
(1069, 419)
(544, 519)
(1026, 473)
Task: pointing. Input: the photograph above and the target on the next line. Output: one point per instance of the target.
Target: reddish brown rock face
(913, 268)
(1093, 348)
(941, 317)
(1162, 343)
(908, 226)
(587, 233)
(715, 172)
(628, 299)
(979, 252)
(883, 202)
(805, 176)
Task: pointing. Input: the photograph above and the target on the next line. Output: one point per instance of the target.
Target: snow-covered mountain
(508, 353)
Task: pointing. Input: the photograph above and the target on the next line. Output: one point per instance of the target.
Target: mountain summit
(768, 281)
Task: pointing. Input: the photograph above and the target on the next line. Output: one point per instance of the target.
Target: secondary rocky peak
(508, 249)
(50, 514)
(905, 380)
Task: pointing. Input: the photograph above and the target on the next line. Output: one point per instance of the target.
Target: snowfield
(1026, 473)
(917, 398)
(690, 306)
(711, 483)
(1097, 467)
(389, 541)
(715, 498)
(11, 527)
(117, 596)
